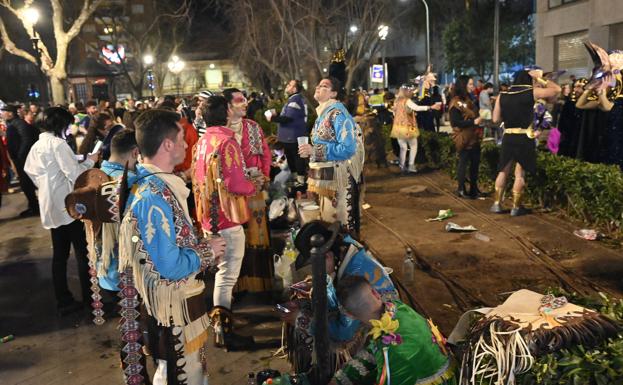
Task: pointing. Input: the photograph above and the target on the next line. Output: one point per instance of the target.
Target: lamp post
(383, 32)
(32, 15)
(427, 33)
(148, 60)
(176, 65)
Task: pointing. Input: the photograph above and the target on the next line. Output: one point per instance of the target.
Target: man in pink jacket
(256, 271)
(221, 190)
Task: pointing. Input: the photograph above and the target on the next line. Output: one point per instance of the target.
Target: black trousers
(472, 156)
(62, 239)
(27, 186)
(296, 164)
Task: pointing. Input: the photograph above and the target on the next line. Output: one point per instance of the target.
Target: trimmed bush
(590, 192)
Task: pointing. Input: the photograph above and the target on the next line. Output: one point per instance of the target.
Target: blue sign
(378, 73)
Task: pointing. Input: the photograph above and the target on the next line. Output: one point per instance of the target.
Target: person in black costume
(591, 140)
(20, 136)
(515, 108)
(570, 120)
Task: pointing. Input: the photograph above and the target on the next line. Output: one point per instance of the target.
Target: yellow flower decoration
(386, 325)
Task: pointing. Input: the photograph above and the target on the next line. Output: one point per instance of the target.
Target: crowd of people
(158, 198)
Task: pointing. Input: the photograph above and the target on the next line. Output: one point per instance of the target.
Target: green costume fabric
(415, 357)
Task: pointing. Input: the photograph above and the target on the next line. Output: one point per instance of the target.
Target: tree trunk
(58, 90)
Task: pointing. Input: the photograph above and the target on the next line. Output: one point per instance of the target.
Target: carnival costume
(336, 167)
(518, 142)
(256, 271)
(221, 190)
(505, 342)
(611, 65)
(405, 130)
(346, 334)
(404, 349)
(570, 122)
(160, 256)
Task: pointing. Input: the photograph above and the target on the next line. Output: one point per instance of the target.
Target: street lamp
(383, 32)
(354, 28)
(31, 15)
(427, 34)
(148, 59)
(176, 65)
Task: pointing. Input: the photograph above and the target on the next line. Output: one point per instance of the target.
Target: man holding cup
(292, 127)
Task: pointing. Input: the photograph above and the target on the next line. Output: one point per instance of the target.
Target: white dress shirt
(52, 166)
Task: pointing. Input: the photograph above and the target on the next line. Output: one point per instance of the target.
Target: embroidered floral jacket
(167, 237)
(231, 181)
(254, 147)
(334, 134)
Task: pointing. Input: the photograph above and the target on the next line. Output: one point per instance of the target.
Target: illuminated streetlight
(353, 28)
(212, 66)
(176, 65)
(324, 70)
(383, 31)
(31, 14)
(148, 59)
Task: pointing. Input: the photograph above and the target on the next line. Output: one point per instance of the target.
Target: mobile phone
(282, 309)
(98, 146)
(79, 157)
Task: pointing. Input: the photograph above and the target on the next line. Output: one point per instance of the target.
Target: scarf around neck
(175, 184)
(323, 106)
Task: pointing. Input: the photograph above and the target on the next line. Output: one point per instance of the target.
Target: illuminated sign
(377, 73)
(112, 56)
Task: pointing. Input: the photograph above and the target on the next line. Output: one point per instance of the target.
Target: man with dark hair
(20, 137)
(221, 190)
(123, 153)
(255, 104)
(160, 252)
(403, 345)
(293, 124)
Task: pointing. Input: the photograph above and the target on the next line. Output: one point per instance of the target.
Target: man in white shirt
(53, 167)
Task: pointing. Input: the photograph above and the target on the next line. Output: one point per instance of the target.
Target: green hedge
(590, 192)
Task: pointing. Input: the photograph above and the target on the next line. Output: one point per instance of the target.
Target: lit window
(138, 9)
(571, 54)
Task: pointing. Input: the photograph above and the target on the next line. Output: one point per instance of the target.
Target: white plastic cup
(302, 140)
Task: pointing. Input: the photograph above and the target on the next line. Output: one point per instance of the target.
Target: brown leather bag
(465, 137)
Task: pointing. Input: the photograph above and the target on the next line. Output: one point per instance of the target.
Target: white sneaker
(412, 169)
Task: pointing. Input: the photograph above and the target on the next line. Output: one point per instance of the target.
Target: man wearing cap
(198, 121)
(161, 257)
(293, 124)
(20, 137)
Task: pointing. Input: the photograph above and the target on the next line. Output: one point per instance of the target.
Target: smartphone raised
(282, 308)
(97, 147)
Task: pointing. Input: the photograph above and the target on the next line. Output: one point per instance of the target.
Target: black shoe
(475, 193)
(29, 213)
(464, 195)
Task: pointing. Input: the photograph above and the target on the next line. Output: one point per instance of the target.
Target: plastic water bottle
(408, 267)
(251, 379)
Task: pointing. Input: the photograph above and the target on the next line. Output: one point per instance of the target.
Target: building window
(88, 28)
(225, 78)
(139, 26)
(570, 54)
(558, 3)
(616, 36)
(138, 9)
(81, 92)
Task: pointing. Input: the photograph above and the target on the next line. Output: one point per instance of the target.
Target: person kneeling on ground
(347, 257)
(402, 345)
